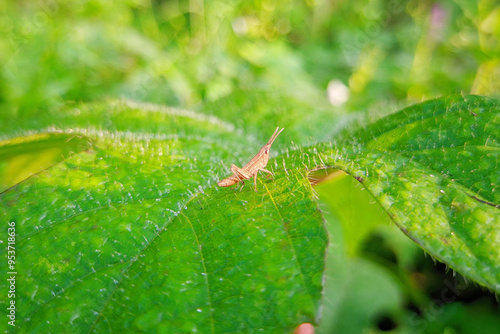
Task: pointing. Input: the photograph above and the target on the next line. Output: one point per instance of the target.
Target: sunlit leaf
(133, 234)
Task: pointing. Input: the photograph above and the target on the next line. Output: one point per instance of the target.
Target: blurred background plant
(182, 53)
(360, 56)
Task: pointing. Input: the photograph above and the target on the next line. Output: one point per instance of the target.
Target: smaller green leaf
(24, 156)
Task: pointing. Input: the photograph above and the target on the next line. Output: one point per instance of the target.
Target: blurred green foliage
(182, 53)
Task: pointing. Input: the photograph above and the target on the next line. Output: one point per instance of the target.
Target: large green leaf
(132, 233)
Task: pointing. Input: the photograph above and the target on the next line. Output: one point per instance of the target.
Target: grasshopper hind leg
(240, 172)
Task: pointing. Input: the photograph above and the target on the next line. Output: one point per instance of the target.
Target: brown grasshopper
(253, 167)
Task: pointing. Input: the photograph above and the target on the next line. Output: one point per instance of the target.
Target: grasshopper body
(258, 163)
